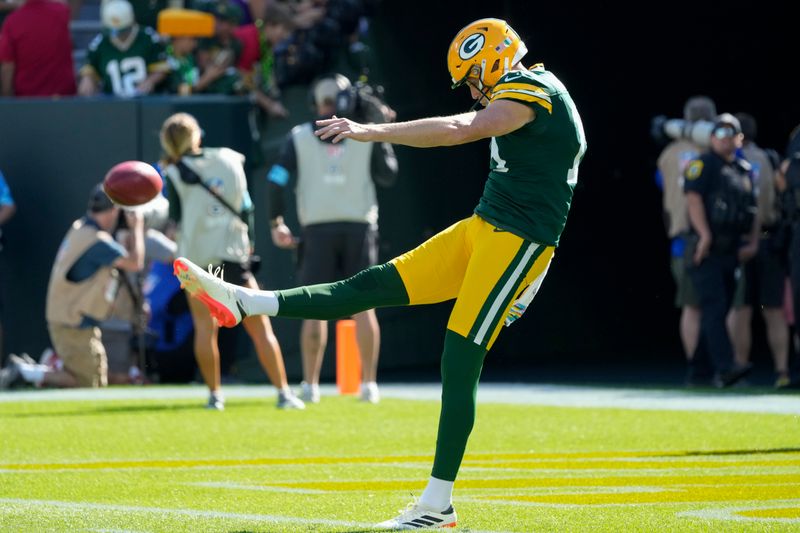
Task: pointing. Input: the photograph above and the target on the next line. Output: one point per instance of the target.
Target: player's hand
(342, 128)
(282, 237)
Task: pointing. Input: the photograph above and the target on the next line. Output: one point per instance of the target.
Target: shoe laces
(217, 272)
(411, 507)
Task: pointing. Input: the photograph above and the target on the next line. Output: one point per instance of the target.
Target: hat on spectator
(726, 119)
(185, 23)
(99, 200)
(328, 88)
(117, 15)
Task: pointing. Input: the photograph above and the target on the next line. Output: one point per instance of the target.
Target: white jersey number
(126, 75)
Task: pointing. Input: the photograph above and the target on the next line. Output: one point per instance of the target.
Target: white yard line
(504, 393)
(729, 513)
(8, 505)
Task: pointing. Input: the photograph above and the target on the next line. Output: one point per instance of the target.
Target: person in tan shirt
(83, 285)
(671, 166)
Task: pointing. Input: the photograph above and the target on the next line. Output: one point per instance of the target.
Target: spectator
(217, 56)
(183, 27)
(764, 277)
(36, 51)
(207, 192)
(7, 210)
(671, 167)
(724, 233)
(257, 60)
(125, 59)
(338, 211)
(6, 7)
(83, 283)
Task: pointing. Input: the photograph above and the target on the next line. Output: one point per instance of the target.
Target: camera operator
(83, 284)
(672, 164)
(338, 212)
(724, 233)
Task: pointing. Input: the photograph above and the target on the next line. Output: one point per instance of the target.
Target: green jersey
(122, 65)
(534, 169)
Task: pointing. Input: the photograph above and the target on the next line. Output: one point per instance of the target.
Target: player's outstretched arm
(498, 118)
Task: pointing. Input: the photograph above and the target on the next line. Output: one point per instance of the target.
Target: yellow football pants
(483, 267)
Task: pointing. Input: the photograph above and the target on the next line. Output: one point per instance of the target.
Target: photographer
(672, 163)
(83, 284)
(338, 210)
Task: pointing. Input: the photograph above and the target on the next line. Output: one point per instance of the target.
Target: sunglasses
(724, 132)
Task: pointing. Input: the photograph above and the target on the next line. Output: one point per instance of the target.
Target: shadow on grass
(139, 409)
(699, 453)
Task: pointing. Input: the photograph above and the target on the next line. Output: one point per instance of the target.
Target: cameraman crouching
(724, 233)
(83, 285)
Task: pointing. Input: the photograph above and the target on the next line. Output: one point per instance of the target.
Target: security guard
(724, 232)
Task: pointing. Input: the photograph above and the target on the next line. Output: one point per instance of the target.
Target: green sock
(462, 362)
(377, 286)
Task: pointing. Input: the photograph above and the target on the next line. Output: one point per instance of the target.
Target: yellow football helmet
(486, 49)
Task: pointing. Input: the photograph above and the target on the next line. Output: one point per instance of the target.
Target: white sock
(257, 302)
(33, 373)
(438, 495)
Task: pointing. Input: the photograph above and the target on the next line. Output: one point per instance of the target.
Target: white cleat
(309, 392)
(287, 400)
(215, 402)
(417, 517)
(369, 393)
(217, 295)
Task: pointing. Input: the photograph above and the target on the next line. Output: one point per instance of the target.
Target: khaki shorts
(82, 352)
(685, 294)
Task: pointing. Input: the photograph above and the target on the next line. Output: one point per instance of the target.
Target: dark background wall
(607, 299)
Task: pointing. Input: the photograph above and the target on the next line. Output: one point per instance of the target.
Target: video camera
(362, 102)
(663, 130)
(155, 213)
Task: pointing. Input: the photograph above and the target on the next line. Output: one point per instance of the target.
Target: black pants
(715, 284)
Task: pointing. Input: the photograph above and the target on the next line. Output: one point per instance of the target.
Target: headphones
(345, 98)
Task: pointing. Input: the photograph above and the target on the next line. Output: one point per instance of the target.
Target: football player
(492, 263)
(125, 59)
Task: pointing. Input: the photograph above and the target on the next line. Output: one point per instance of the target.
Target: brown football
(132, 183)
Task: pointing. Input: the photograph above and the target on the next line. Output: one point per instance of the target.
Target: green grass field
(115, 462)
